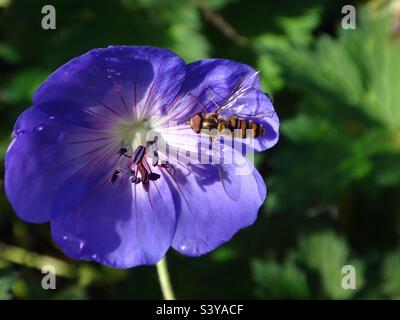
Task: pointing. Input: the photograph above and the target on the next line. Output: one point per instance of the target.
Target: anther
(154, 176)
(127, 171)
(122, 152)
(115, 176)
(151, 146)
(138, 154)
(149, 143)
(155, 158)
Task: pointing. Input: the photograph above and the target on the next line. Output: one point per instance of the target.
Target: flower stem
(163, 277)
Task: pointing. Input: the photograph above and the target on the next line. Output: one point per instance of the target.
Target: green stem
(165, 283)
(33, 260)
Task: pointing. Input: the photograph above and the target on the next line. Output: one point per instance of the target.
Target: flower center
(138, 153)
(133, 134)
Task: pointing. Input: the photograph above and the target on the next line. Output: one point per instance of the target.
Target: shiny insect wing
(236, 121)
(228, 115)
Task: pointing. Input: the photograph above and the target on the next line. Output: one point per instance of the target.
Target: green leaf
(345, 129)
(326, 254)
(8, 53)
(24, 84)
(294, 30)
(187, 40)
(349, 67)
(276, 281)
(391, 275)
(7, 279)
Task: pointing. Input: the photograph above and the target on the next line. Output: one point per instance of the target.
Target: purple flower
(81, 157)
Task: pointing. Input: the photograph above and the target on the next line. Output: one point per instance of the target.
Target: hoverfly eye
(195, 123)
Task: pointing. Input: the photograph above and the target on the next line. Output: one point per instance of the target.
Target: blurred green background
(334, 177)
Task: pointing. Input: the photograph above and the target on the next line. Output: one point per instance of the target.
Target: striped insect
(238, 127)
(237, 124)
(229, 120)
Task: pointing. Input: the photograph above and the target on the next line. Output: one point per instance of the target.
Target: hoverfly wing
(240, 89)
(231, 166)
(246, 101)
(230, 182)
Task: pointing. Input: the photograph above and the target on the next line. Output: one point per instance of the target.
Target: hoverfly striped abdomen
(238, 127)
(242, 127)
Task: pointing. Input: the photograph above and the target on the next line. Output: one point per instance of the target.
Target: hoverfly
(239, 124)
(229, 119)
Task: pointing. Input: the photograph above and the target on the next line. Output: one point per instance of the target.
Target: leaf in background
(348, 116)
(223, 254)
(23, 85)
(8, 53)
(295, 30)
(360, 67)
(182, 25)
(216, 4)
(71, 293)
(185, 32)
(326, 254)
(308, 128)
(3, 147)
(7, 279)
(391, 276)
(279, 281)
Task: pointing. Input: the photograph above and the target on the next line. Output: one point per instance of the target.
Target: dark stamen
(143, 173)
(115, 176)
(138, 154)
(122, 152)
(139, 164)
(149, 143)
(155, 159)
(154, 176)
(127, 171)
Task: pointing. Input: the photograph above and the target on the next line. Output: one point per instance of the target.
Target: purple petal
(208, 216)
(119, 225)
(45, 151)
(220, 75)
(126, 81)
